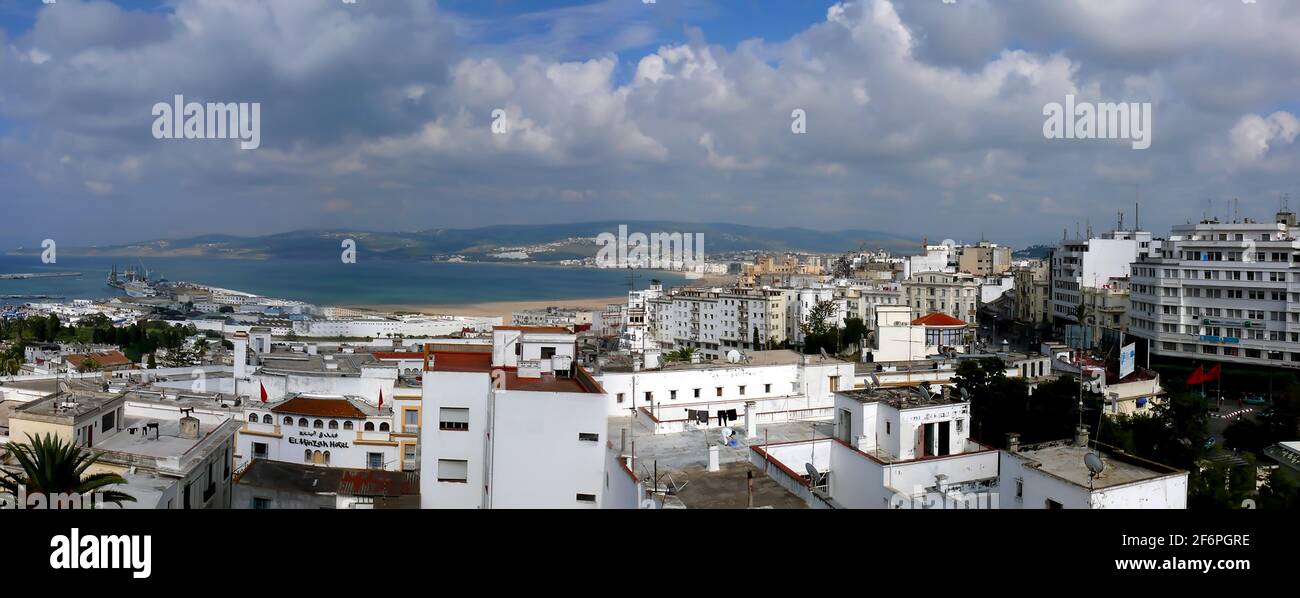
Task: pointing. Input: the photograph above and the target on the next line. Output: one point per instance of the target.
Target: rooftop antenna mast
(1137, 206)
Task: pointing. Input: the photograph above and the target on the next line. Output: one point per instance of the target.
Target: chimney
(1081, 437)
(189, 427)
(1013, 442)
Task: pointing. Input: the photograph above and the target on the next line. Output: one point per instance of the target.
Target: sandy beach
(504, 309)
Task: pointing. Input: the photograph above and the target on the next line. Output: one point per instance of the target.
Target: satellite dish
(812, 471)
(875, 382)
(1094, 463)
(823, 350)
(733, 356)
(965, 394)
(925, 392)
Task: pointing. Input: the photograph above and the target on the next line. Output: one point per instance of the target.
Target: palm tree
(52, 466)
(1081, 314)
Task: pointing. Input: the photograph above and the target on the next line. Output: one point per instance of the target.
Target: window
(411, 419)
(586, 497)
(697, 393)
(374, 460)
(454, 419)
(672, 394)
(719, 391)
(306, 456)
(589, 437)
(620, 397)
(1020, 488)
(109, 421)
(649, 396)
(334, 424)
(261, 503)
(302, 422)
(288, 421)
(318, 424)
(369, 427)
(548, 352)
(383, 427)
(347, 425)
(887, 426)
(960, 422)
(1051, 504)
(767, 388)
(252, 418)
(742, 390)
(835, 383)
(259, 450)
(453, 470)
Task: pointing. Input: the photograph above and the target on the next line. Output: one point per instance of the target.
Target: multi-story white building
(715, 321)
(1092, 263)
(1222, 292)
(956, 294)
(520, 427)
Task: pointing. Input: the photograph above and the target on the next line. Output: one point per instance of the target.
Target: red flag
(1213, 374)
(263, 391)
(381, 398)
(1197, 377)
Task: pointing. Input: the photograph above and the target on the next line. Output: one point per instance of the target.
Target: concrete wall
(462, 390)
(537, 459)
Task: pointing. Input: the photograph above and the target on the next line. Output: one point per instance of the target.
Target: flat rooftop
(330, 364)
(167, 444)
(1065, 460)
(898, 397)
(309, 479)
(65, 406)
(728, 488)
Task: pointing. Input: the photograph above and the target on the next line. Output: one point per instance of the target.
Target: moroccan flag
(1197, 377)
(263, 391)
(381, 398)
(1213, 374)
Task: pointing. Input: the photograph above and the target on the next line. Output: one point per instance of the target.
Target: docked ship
(135, 283)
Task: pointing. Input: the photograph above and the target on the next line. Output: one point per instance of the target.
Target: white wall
(537, 459)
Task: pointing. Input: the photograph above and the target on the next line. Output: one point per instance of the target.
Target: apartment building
(984, 259)
(520, 427)
(1092, 263)
(716, 321)
(1222, 292)
(1032, 292)
(955, 294)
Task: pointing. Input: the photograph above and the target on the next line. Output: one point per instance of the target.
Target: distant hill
(560, 241)
(1034, 252)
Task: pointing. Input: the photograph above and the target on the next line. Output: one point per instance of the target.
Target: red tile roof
(104, 360)
(319, 407)
(937, 319)
(381, 355)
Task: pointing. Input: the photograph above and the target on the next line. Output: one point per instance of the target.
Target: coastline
(504, 309)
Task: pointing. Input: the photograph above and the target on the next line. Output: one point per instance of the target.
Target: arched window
(317, 458)
(266, 419)
(383, 427)
(334, 424)
(252, 417)
(318, 424)
(306, 456)
(302, 421)
(370, 426)
(288, 421)
(347, 425)
(327, 457)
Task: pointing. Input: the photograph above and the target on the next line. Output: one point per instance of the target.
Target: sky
(917, 117)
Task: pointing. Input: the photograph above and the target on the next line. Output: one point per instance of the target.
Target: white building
(957, 294)
(1222, 292)
(1091, 263)
(520, 427)
(716, 321)
(893, 448)
(762, 387)
(1054, 475)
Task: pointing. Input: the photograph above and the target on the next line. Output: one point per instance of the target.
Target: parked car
(1253, 399)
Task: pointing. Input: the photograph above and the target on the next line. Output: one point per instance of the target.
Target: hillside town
(1124, 369)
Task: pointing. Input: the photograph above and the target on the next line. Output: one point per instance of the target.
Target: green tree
(855, 330)
(153, 363)
(51, 466)
(819, 330)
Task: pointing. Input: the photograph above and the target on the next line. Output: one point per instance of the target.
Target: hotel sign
(317, 439)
